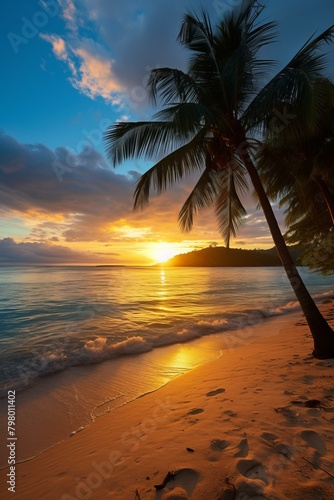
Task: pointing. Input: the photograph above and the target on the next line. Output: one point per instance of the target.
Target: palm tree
(295, 163)
(295, 166)
(205, 125)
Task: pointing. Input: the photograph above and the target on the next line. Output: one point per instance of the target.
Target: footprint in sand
(328, 363)
(181, 487)
(215, 392)
(219, 444)
(231, 413)
(315, 441)
(288, 413)
(252, 469)
(284, 449)
(269, 436)
(195, 411)
(243, 449)
(307, 379)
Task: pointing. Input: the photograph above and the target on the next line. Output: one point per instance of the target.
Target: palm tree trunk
(323, 335)
(327, 196)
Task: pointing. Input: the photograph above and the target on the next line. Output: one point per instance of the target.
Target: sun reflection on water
(162, 292)
(182, 358)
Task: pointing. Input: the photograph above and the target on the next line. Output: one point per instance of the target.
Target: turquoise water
(53, 318)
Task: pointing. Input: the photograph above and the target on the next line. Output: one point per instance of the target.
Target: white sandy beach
(256, 423)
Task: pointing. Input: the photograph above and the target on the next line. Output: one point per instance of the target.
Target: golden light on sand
(183, 357)
(163, 251)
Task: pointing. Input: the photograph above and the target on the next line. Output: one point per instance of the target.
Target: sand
(256, 423)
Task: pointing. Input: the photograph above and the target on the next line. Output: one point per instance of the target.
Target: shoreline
(71, 400)
(232, 407)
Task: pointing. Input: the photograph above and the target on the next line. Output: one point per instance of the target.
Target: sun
(162, 251)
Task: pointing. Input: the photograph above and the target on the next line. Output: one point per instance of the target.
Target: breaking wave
(62, 355)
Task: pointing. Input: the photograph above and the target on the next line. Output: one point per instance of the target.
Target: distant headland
(229, 257)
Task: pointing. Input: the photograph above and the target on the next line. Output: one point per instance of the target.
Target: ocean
(78, 342)
(54, 318)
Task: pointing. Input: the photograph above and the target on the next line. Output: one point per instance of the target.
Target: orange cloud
(69, 14)
(91, 68)
(95, 74)
(58, 46)
(60, 50)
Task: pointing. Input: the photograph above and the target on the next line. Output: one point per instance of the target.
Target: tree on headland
(211, 119)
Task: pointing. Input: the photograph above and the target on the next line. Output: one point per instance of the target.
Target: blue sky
(70, 68)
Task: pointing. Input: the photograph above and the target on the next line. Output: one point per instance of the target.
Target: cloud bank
(76, 198)
(39, 253)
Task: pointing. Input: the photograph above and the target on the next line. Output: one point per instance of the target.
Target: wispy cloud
(60, 50)
(89, 62)
(70, 14)
(58, 46)
(90, 66)
(95, 76)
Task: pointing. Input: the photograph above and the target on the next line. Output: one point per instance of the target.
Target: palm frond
(261, 35)
(172, 86)
(189, 116)
(172, 168)
(324, 162)
(229, 210)
(248, 11)
(224, 62)
(197, 33)
(202, 196)
(127, 140)
(274, 167)
(293, 84)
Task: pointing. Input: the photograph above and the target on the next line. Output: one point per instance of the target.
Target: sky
(70, 69)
